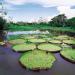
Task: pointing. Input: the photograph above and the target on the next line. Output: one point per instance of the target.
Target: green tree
(71, 22)
(2, 24)
(59, 21)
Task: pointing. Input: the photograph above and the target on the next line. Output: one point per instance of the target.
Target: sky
(33, 10)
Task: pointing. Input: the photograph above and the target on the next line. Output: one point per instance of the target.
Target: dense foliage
(2, 23)
(60, 23)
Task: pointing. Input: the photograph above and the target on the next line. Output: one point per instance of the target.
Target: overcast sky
(31, 10)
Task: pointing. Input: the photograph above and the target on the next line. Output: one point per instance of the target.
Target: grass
(49, 47)
(63, 29)
(17, 27)
(68, 54)
(24, 47)
(37, 60)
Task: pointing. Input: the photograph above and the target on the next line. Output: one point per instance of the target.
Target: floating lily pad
(49, 47)
(68, 54)
(62, 37)
(69, 41)
(17, 41)
(37, 40)
(24, 47)
(55, 41)
(65, 45)
(2, 43)
(36, 59)
(47, 39)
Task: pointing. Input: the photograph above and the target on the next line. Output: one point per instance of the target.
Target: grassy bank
(39, 27)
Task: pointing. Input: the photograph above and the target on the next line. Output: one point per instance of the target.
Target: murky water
(9, 65)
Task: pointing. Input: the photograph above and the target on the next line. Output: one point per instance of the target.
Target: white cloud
(63, 6)
(16, 2)
(67, 11)
(8, 7)
(47, 3)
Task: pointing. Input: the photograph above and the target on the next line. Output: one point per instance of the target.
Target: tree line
(57, 21)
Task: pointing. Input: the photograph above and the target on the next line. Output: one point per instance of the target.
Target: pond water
(28, 32)
(9, 65)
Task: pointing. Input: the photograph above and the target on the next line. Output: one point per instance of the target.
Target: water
(9, 65)
(28, 32)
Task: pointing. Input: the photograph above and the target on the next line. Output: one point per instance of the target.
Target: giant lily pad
(17, 41)
(63, 45)
(69, 41)
(62, 37)
(55, 41)
(2, 43)
(68, 54)
(37, 60)
(37, 40)
(49, 47)
(23, 47)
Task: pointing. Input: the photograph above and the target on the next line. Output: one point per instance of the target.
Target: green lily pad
(68, 54)
(47, 39)
(37, 60)
(24, 47)
(37, 40)
(69, 41)
(17, 41)
(65, 45)
(2, 43)
(49, 47)
(62, 37)
(55, 41)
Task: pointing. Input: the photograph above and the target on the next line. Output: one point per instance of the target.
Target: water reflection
(9, 65)
(28, 32)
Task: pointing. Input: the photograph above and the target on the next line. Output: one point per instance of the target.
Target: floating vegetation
(17, 41)
(37, 40)
(24, 47)
(63, 45)
(55, 41)
(69, 41)
(37, 60)
(49, 47)
(62, 37)
(69, 54)
(47, 39)
(2, 43)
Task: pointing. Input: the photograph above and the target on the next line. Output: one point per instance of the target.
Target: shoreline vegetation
(59, 23)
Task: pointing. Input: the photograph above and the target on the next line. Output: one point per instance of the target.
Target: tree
(2, 28)
(2, 24)
(71, 22)
(59, 21)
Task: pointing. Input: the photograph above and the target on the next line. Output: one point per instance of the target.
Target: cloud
(63, 6)
(67, 11)
(45, 3)
(8, 7)
(16, 2)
